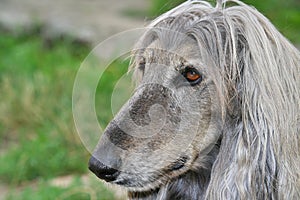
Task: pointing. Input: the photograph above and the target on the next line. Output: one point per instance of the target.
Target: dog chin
(136, 186)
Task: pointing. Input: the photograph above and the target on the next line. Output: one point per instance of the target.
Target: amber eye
(192, 75)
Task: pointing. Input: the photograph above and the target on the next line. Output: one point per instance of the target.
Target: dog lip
(122, 182)
(177, 166)
(110, 177)
(107, 177)
(179, 163)
(131, 184)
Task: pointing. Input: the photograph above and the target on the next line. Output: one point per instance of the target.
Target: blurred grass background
(38, 138)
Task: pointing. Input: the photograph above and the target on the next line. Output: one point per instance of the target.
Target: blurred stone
(90, 20)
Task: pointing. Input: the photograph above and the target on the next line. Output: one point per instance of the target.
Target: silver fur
(252, 148)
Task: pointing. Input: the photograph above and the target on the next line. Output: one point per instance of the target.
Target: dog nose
(102, 171)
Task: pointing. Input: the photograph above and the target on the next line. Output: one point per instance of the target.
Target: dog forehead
(180, 52)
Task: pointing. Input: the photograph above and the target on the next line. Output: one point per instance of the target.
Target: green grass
(41, 158)
(37, 132)
(105, 88)
(35, 109)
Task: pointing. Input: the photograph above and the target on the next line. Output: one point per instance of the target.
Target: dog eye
(192, 75)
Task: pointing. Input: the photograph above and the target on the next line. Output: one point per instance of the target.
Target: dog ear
(259, 154)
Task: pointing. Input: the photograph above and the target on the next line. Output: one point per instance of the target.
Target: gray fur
(243, 119)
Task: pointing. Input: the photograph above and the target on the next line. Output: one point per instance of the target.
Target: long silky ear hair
(259, 155)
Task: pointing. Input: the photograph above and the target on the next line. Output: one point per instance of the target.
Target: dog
(216, 110)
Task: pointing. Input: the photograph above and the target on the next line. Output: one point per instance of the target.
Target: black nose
(102, 171)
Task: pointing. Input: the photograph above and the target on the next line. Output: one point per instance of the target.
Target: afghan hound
(216, 111)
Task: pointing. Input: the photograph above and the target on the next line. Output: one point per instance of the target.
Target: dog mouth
(144, 183)
(139, 185)
(133, 186)
(178, 164)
